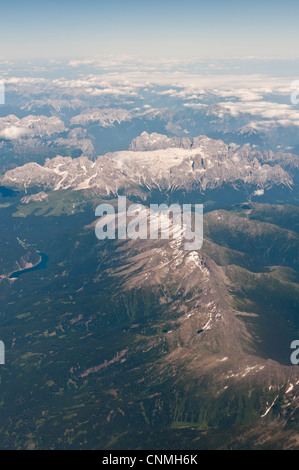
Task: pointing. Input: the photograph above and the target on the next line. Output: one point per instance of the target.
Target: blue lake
(41, 265)
(6, 192)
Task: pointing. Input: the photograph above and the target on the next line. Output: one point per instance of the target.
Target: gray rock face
(13, 128)
(154, 141)
(103, 117)
(78, 139)
(34, 198)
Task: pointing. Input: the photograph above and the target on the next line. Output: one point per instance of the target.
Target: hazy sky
(71, 28)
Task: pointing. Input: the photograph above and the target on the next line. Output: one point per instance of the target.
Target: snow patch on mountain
(11, 127)
(207, 165)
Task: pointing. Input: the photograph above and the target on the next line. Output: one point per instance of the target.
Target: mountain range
(158, 162)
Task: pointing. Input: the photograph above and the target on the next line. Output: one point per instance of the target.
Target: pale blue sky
(35, 29)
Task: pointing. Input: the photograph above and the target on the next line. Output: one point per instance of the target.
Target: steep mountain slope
(143, 344)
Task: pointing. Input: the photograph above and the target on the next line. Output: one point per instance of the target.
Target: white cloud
(282, 114)
(24, 81)
(13, 133)
(259, 192)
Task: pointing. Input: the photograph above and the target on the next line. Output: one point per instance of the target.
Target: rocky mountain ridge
(207, 164)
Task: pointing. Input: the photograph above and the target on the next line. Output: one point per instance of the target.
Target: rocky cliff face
(13, 128)
(156, 141)
(176, 164)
